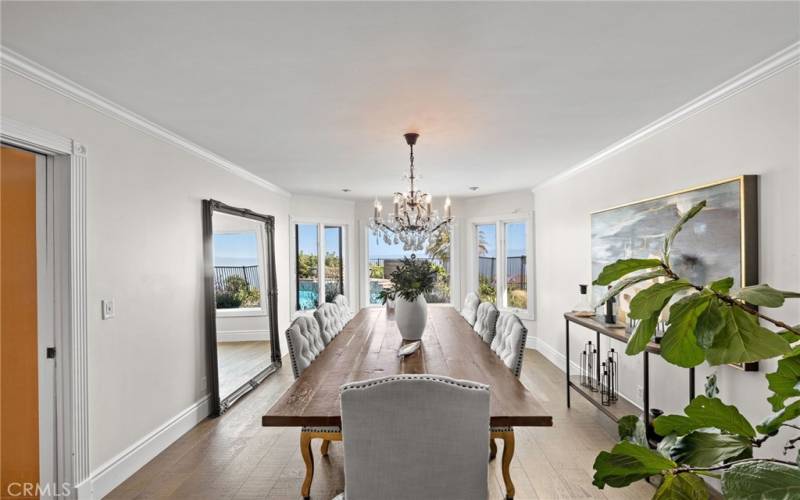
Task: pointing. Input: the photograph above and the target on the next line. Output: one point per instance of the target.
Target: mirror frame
(220, 404)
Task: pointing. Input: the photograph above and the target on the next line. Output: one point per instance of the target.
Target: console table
(621, 407)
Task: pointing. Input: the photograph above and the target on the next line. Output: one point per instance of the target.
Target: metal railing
(249, 273)
(516, 269)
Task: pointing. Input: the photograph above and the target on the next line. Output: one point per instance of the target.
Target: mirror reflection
(242, 328)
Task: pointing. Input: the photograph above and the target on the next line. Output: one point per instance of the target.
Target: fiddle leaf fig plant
(708, 322)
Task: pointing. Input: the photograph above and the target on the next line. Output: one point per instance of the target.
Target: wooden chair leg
(508, 454)
(492, 449)
(308, 458)
(323, 449)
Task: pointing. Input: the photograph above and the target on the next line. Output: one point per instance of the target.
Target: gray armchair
(344, 307)
(486, 321)
(330, 321)
(415, 436)
(470, 309)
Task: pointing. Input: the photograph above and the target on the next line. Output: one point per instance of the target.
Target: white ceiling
(316, 97)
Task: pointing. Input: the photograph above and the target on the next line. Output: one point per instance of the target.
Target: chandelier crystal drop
(412, 222)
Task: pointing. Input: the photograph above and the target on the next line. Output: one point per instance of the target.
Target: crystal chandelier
(413, 222)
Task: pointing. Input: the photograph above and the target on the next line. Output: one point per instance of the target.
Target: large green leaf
(705, 412)
(784, 382)
(641, 337)
(771, 424)
(709, 324)
(790, 336)
(677, 227)
(764, 295)
(704, 449)
(623, 267)
(722, 286)
(679, 345)
(626, 282)
(683, 486)
(631, 428)
(653, 299)
(627, 463)
(761, 481)
(743, 340)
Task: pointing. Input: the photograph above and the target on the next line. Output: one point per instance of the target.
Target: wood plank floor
(233, 457)
(239, 362)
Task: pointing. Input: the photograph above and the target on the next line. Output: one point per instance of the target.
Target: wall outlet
(108, 309)
(640, 392)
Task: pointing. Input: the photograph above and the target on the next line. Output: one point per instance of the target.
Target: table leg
(308, 458)
(508, 454)
(567, 366)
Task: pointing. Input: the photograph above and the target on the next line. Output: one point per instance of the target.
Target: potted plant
(410, 282)
(713, 323)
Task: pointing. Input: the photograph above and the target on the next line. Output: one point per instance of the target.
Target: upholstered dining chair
(305, 343)
(415, 436)
(486, 321)
(470, 309)
(304, 338)
(344, 307)
(509, 345)
(330, 321)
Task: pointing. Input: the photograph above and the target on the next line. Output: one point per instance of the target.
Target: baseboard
(558, 359)
(111, 474)
(242, 335)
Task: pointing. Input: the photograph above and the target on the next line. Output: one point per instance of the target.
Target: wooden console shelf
(621, 407)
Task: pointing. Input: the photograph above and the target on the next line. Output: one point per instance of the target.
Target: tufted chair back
(470, 309)
(305, 343)
(344, 307)
(486, 321)
(415, 436)
(330, 321)
(509, 341)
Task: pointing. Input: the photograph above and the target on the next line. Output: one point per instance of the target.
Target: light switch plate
(108, 309)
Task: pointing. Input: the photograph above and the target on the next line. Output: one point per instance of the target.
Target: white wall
(145, 252)
(753, 132)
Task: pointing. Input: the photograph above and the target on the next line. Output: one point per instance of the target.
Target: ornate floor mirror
(241, 301)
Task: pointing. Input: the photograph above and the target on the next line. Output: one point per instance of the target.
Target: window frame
(321, 224)
(500, 222)
(242, 312)
(454, 281)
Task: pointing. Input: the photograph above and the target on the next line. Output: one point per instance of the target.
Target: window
(502, 248)
(237, 273)
(319, 259)
(384, 257)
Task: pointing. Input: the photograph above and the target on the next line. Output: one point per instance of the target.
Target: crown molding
(765, 69)
(51, 80)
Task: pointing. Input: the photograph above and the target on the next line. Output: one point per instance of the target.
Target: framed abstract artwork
(721, 241)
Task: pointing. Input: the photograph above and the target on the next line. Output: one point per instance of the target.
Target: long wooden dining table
(367, 348)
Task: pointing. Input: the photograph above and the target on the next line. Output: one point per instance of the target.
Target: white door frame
(70, 307)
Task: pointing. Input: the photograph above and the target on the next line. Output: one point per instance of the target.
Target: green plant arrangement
(237, 293)
(412, 278)
(707, 323)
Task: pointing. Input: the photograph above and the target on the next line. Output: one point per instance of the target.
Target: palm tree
(439, 248)
(483, 245)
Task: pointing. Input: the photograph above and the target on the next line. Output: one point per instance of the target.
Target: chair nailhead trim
(369, 383)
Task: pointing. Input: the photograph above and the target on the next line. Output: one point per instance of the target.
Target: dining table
(367, 348)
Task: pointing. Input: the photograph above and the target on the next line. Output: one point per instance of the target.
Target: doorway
(28, 454)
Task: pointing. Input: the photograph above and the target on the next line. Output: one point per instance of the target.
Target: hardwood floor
(233, 457)
(239, 362)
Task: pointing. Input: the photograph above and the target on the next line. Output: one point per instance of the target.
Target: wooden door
(19, 408)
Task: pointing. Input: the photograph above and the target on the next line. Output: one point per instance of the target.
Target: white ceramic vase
(411, 317)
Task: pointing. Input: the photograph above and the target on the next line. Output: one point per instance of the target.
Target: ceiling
(315, 97)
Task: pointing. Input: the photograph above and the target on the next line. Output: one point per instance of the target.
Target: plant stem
(731, 464)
